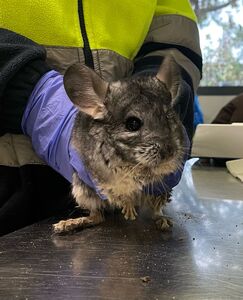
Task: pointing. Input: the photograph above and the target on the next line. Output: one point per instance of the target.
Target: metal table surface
(202, 258)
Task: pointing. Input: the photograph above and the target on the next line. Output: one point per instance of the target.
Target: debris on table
(146, 279)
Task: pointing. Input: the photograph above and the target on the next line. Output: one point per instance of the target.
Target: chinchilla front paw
(129, 211)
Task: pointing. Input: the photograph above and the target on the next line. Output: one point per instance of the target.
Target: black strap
(155, 46)
(150, 65)
(183, 104)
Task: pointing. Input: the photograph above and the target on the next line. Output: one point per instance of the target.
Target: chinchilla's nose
(166, 151)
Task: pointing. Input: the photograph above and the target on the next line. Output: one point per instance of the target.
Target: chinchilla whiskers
(178, 163)
(131, 170)
(146, 159)
(182, 151)
(164, 186)
(161, 186)
(184, 148)
(148, 155)
(151, 182)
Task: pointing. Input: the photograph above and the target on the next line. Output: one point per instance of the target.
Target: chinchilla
(128, 136)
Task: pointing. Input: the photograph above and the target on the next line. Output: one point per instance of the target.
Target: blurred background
(221, 34)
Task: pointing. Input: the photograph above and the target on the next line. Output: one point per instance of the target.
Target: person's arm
(22, 64)
(28, 84)
(29, 191)
(174, 31)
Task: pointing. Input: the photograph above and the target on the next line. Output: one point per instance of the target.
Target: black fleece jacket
(22, 64)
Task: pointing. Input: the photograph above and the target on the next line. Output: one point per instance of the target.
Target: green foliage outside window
(221, 32)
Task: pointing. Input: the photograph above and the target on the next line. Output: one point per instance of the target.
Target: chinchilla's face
(141, 125)
(129, 122)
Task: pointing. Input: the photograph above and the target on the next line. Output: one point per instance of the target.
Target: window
(221, 35)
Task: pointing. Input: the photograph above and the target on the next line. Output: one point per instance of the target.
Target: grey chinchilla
(128, 136)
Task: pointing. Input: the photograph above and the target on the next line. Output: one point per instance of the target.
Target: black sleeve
(22, 64)
(31, 193)
(184, 102)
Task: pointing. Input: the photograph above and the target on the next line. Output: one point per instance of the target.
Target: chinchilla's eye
(133, 124)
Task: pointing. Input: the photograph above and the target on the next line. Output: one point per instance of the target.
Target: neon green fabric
(175, 7)
(47, 22)
(56, 23)
(106, 27)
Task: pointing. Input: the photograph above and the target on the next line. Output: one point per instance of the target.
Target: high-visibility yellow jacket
(112, 31)
(114, 37)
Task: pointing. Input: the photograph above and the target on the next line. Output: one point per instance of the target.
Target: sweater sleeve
(174, 31)
(22, 64)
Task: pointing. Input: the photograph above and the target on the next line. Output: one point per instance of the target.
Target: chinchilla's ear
(169, 73)
(86, 89)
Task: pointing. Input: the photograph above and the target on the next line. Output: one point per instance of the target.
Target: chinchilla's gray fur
(121, 161)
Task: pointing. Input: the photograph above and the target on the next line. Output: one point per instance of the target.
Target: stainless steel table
(202, 258)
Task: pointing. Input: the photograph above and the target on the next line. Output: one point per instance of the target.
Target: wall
(211, 105)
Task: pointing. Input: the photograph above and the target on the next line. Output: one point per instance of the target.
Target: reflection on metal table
(202, 258)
